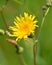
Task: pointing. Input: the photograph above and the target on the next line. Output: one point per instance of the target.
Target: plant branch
(6, 2)
(3, 18)
(36, 41)
(34, 53)
(43, 20)
(2, 14)
(21, 59)
(20, 56)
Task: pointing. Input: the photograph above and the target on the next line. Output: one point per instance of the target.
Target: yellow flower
(23, 26)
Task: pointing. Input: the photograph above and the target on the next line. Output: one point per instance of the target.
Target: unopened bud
(20, 49)
(49, 3)
(44, 8)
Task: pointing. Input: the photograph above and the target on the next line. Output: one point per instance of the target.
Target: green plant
(37, 49)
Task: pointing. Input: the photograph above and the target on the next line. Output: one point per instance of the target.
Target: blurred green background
(8, 55)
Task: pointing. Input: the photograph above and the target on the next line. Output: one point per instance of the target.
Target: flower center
(25, 27)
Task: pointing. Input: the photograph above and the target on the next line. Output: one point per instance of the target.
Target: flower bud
(44, 8)
(49, 3)
(19, 49)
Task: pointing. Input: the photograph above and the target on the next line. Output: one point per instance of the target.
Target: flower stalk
(22, 61)
(19, 50)
(3, 18)
(43, 20)
(35, 45)
(2, 14)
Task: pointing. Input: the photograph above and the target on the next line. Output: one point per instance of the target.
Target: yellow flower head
(23, 26)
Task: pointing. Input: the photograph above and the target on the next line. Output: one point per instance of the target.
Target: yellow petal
(33, 18)
(26, 14)
(16, 39)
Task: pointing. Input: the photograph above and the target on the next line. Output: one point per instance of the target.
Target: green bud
(44, 7)
(49, 3)
(19, 49)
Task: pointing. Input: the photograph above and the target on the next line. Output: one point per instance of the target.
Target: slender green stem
(3, 18)
(2, 14)
(35, 45)
(6, 2)
(21, 59)
(34, 52)
(19, 54)
(43, 20)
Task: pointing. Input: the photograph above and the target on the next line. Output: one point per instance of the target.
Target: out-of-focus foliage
(8, 55)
